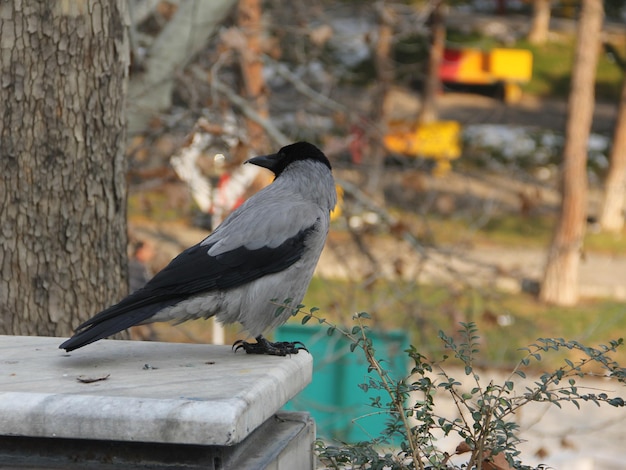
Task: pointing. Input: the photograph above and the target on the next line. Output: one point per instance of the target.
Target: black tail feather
(110, 324)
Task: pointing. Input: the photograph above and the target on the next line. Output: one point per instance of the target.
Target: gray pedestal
(149, 405)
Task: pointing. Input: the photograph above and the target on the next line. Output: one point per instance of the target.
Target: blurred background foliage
(492, 199)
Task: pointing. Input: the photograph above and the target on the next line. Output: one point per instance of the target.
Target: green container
(334, 397)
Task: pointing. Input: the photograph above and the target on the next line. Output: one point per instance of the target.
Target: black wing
(194, 271)
(191, 273)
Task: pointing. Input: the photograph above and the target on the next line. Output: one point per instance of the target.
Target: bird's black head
(280, 160)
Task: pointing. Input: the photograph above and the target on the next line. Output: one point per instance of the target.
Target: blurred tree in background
(614, 201)
(560, 282)
(432, 82)
(540, 26)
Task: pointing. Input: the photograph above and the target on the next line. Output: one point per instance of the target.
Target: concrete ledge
(161, 393)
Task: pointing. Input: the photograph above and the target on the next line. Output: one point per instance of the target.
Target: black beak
(265, 161)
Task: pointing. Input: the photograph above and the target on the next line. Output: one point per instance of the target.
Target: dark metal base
(287, 437)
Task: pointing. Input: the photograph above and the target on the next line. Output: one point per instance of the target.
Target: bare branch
(305, 89)
(274, 133)
(181, 38)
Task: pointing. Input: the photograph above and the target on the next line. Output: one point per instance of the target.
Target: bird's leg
(263, 346)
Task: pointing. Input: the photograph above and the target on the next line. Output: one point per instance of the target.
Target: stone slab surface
(153, 392)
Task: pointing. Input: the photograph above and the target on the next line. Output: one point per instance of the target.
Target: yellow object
(475, 66)
(439, 141)
(512, 93)
(435, 140)
(442, 168)
(511, 65)
(336, 212)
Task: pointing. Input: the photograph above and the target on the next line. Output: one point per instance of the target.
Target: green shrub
(484, 426)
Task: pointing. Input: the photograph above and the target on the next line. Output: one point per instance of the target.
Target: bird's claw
(263, 346)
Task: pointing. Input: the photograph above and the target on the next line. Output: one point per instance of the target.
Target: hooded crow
(259, 260)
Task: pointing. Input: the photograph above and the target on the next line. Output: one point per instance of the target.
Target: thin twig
(305, 89)
(273, 132)
(394, 397)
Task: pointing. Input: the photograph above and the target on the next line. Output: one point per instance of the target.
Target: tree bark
(612, 214)
(560, 282)
(432, 83)
(62, 170)
(375, 156)
(540, 26)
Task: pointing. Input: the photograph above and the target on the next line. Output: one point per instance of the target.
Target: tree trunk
(375, 156)
(540, 27)
(560, 282)
(432, 83)
(251, 65)
(62, 170)
(612, 214)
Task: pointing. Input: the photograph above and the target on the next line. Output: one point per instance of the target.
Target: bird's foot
(263, 346)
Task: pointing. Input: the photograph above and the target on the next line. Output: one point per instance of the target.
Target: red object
(449, 68)
(223, 199)
(357, 144)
